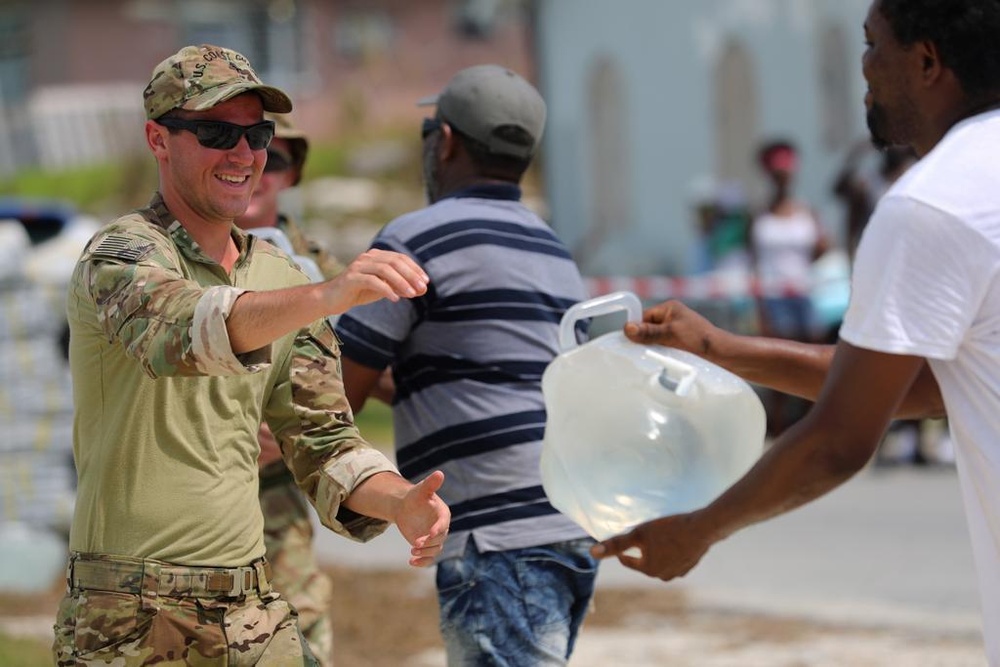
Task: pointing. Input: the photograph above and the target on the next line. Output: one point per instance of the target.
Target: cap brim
(274, 99)
(428, 101)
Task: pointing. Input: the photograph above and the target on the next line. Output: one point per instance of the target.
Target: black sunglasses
(224, 136)
(430, 126)
(277, 162)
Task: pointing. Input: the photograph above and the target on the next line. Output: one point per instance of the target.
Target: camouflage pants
(152, 619)
(288, 538)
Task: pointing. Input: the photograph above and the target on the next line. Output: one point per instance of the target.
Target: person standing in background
(286, 157)
(785, 239)
(288, 530)
(515, 578)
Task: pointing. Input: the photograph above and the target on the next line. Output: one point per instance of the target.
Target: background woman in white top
(785, 239)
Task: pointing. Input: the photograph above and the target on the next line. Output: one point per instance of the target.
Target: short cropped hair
(492, 165)
(966, 33)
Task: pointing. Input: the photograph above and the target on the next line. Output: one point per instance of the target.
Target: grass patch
(86, 188)
(24, 652)
(375, 424)
(325, 160)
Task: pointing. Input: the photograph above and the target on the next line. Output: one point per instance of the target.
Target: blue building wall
(666, 55)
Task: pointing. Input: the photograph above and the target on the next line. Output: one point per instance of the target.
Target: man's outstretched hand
(423, 520)
(664, 548)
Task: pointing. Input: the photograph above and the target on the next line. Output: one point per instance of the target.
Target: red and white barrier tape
(702, 287)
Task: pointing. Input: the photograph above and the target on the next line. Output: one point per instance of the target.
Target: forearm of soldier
(380, 496)
(260, 318)
(329, 485)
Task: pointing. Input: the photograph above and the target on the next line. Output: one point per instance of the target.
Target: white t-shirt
(785, 246)
(926, 283)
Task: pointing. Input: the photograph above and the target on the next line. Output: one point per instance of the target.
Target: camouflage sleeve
(170, 325)
(312, 420)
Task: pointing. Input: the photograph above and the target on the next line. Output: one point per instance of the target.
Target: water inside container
(638, 432)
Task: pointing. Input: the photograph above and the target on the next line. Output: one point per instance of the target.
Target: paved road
(889, 547)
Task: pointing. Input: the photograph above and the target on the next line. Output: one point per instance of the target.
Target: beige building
(72, 71)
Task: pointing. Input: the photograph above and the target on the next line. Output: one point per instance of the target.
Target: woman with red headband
(785, 238)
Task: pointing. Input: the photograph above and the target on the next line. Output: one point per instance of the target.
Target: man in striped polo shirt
(515, 577)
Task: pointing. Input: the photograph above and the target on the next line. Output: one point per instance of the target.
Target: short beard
(878, 127)
(431, 171)
(901, 130)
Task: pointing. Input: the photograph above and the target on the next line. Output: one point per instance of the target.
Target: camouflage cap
(199, 77)
(298, 145)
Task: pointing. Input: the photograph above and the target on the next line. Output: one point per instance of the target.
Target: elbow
(846, 456)
(838, 453)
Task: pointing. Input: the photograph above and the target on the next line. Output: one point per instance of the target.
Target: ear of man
(931, 61)
(448, 143)
(154, 137)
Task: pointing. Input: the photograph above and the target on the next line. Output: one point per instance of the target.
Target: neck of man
(991, 103)
(457, 185)
(214, 237)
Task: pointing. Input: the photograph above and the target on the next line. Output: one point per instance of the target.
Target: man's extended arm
(784, 365)
(416, 509)
(835, 440)
(259, 318)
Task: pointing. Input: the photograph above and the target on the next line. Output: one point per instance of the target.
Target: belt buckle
(242, 581)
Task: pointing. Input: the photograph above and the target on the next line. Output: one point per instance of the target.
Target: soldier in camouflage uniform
(288, 531)
(186, 334)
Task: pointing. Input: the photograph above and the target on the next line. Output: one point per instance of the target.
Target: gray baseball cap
(489, 103)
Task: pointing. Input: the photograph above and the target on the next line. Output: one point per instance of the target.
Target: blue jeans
(789, 317)
(518, 608)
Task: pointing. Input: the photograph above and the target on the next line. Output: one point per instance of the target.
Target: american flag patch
(125, 248)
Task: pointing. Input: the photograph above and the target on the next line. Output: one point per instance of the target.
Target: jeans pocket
(557, 582)
(455, 579)
(104, 621)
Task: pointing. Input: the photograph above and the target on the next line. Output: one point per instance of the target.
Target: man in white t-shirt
(922, 334)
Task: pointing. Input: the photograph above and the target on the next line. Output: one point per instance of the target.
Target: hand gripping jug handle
(676, 376)
(602, 305)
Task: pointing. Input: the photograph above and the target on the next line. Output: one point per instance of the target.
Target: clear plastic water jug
(637, 432)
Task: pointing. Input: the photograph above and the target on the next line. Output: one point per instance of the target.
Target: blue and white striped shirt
(468, 359)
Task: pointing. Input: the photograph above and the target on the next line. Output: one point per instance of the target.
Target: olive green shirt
(166, 416)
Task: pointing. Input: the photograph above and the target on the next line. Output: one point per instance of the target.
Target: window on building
(736, 119)
(609, 160)
(361, 35)
(837, 109)
(15, 46)
(480, 19)
(268, 32)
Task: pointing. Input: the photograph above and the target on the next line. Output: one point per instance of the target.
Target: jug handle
(602, 305)
(672, 368)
